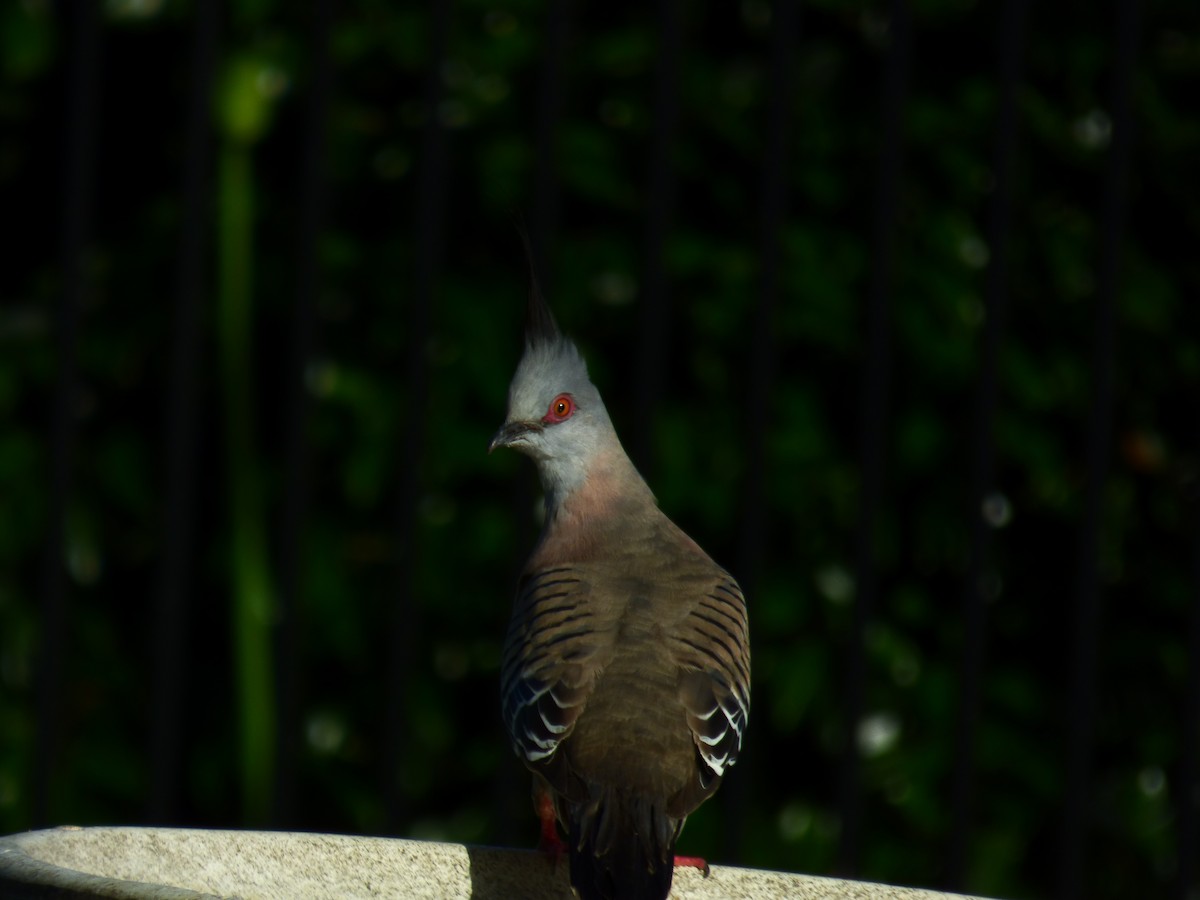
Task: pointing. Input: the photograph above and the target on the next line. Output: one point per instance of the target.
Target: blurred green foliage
(476, 513)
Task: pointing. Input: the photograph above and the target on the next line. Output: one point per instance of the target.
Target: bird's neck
(609, 485)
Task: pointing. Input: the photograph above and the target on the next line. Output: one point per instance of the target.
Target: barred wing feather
(550, 658)
(714, 651)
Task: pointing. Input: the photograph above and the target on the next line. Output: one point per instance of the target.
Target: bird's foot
(551, 846)
(549, 843)
(693, 862)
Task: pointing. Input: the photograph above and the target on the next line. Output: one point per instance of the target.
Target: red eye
(560, 409)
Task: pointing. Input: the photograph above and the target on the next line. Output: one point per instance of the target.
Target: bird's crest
(540, 327)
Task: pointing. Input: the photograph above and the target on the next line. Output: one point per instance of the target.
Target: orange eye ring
(561, 409)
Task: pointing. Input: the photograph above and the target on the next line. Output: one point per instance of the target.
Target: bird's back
(621, 646)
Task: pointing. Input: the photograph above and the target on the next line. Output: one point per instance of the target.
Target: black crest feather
(540, 327)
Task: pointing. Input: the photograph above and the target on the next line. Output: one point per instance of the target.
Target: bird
(625, 674)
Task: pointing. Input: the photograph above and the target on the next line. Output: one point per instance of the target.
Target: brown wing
(551, 656)
(712, 648)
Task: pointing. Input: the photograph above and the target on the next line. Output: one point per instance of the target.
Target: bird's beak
(511, 432)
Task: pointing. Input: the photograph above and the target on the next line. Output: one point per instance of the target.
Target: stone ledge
(175, 863)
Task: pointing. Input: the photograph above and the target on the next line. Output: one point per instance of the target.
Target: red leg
(693, 862)
(550, 843)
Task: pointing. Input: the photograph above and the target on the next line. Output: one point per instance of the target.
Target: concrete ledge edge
(130, 863)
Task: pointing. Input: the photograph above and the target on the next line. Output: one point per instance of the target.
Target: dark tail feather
(622, 847)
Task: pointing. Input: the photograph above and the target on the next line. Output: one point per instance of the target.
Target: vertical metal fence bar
(872, 431)
(772, 209)
(297, 446)
(1085, 620)
(550, 98)
(82, 60)
(172, 592)
(653, 348)
(428, 250)
(1187, 794)
(971, 664)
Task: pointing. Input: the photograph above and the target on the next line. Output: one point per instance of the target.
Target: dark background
(893, 304)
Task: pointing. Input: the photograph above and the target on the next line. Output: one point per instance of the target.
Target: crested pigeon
(625, 679)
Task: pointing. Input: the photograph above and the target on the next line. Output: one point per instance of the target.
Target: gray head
(555, 414)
